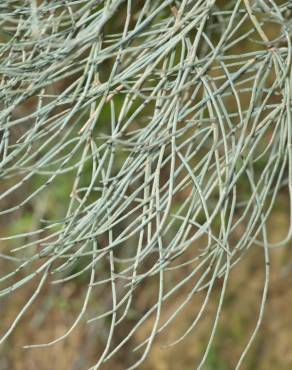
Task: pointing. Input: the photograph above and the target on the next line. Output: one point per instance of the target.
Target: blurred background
(272, 350)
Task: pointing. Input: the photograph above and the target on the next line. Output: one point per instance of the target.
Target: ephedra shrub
(168, 124)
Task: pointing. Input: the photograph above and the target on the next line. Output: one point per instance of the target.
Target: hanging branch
(171, 120)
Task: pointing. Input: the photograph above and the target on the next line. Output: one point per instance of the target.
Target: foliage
(171, 123)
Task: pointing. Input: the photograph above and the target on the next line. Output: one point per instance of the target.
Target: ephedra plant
(169, 122)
